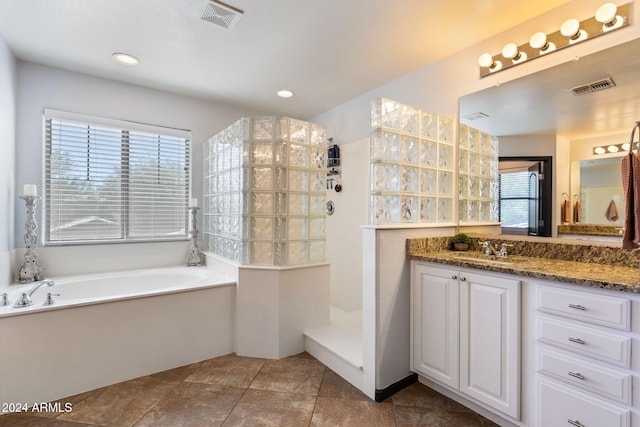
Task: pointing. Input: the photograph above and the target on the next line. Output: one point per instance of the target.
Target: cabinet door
(435, 323)
(490, 341)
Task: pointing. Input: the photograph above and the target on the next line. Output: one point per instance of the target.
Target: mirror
(529, 114)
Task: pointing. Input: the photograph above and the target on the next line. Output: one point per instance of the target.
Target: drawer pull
(577, 375)
(454, 277)
(577, 341)
(464, 279)
(575, 423)
(577, 306)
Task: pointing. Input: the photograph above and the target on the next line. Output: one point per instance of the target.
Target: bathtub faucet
(25, 299)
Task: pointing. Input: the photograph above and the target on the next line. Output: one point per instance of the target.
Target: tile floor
(241, 391)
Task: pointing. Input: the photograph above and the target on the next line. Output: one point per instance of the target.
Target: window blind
(514, 199)
(114, 182)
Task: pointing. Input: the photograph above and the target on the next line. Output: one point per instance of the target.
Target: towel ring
(633, 133)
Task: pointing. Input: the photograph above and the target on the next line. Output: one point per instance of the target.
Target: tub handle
(50, 300)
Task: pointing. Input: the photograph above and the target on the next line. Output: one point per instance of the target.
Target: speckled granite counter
(581, 264)
(591, 229)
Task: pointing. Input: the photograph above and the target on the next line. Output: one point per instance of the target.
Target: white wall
(8, 89)
(42, 87)
(344, 248)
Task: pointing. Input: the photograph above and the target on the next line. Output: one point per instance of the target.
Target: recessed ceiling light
(125, 58)
(285, 93)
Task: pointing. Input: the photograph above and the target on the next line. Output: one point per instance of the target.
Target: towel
(630, 171)
(576, 211)
(565, 213)
(612, 212)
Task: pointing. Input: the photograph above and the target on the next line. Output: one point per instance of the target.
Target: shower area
(265, 182)
(265, 185)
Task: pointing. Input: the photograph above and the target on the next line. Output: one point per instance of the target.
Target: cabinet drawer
(599, 309)
(609, 347)
(560, 406)
(595, 378)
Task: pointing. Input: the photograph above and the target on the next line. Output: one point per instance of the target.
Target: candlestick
(31, 270)
(194, 259)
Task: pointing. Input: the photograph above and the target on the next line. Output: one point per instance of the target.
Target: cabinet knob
(577, 375)
(454, 277)
(577, 306)
(577, 341)
(463, 279)
(575, 423)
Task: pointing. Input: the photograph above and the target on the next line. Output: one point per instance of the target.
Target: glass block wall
(412, 165)
(265, 185)
(478, 177)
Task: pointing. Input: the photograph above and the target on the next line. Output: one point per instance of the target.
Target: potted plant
(461, 242)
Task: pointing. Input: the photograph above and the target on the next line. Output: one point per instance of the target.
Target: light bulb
(571, 29)
(510, 51)
(539, 41)
(612, 149)
(599, 150)
(125, 58)
(485, 60)
(606, 14)
(626, 146)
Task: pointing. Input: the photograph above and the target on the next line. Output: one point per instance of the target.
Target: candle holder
(194, 259)
(31, 270)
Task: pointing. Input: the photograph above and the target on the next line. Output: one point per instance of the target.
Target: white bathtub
(111, 327)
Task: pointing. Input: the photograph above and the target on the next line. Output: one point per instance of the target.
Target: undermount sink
(482, 258)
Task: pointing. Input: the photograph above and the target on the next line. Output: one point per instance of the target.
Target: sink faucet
(488, 248)
(504, 250)
(25, 299)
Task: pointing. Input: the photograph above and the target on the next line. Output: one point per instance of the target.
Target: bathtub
(111, 327)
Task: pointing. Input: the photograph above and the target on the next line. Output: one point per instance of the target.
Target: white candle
(30, 190)
(193, 203)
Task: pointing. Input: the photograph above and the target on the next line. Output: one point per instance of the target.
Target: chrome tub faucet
(25, 299)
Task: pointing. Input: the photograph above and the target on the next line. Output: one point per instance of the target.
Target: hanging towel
(612, 212)
(576, 211)
(630, 171)
(566, 211)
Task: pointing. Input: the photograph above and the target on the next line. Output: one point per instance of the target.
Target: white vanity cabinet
(584, 358)
(465, 330)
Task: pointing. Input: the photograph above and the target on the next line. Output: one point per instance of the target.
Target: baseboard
(389, 391)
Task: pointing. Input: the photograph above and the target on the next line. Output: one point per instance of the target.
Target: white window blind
(514, 199)
(108, 180)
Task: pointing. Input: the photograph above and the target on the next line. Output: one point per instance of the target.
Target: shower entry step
(339, 345)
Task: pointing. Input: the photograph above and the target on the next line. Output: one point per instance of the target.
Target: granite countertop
(615, 276)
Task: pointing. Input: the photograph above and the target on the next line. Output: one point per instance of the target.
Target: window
(514, 199)
(110, 180)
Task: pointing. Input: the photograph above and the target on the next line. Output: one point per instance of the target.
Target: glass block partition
(478, 176)
(265, 185)
(412, 165)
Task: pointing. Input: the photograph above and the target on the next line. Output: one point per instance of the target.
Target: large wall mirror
(532, 113)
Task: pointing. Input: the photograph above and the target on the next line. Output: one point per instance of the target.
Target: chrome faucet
(488, 248)
(25, 299)
(504, 249)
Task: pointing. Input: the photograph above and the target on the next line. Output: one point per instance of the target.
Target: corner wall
(8, 100)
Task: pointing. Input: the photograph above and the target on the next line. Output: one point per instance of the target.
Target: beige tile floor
(242, 391)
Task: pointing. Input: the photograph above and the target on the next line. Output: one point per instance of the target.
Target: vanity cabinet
(465, 332)
(584, 358)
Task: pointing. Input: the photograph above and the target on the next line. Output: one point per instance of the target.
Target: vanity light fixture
(125, 59)
(539, 41)
(614, 148)
(571, 29)
(510, 51)
(607, 18)
(606, 15)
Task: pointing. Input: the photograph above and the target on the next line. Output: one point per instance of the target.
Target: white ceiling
(327, 51)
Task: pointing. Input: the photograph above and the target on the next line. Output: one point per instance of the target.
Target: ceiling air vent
(221, 14)
(593, 87)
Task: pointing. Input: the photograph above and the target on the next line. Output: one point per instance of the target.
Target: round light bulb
(125, 58)
(599, 150)
(510, 50)
(606, 14)
(612, 149)
(538, 40)
(626, 146)
(485, 60)
(570, 28)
